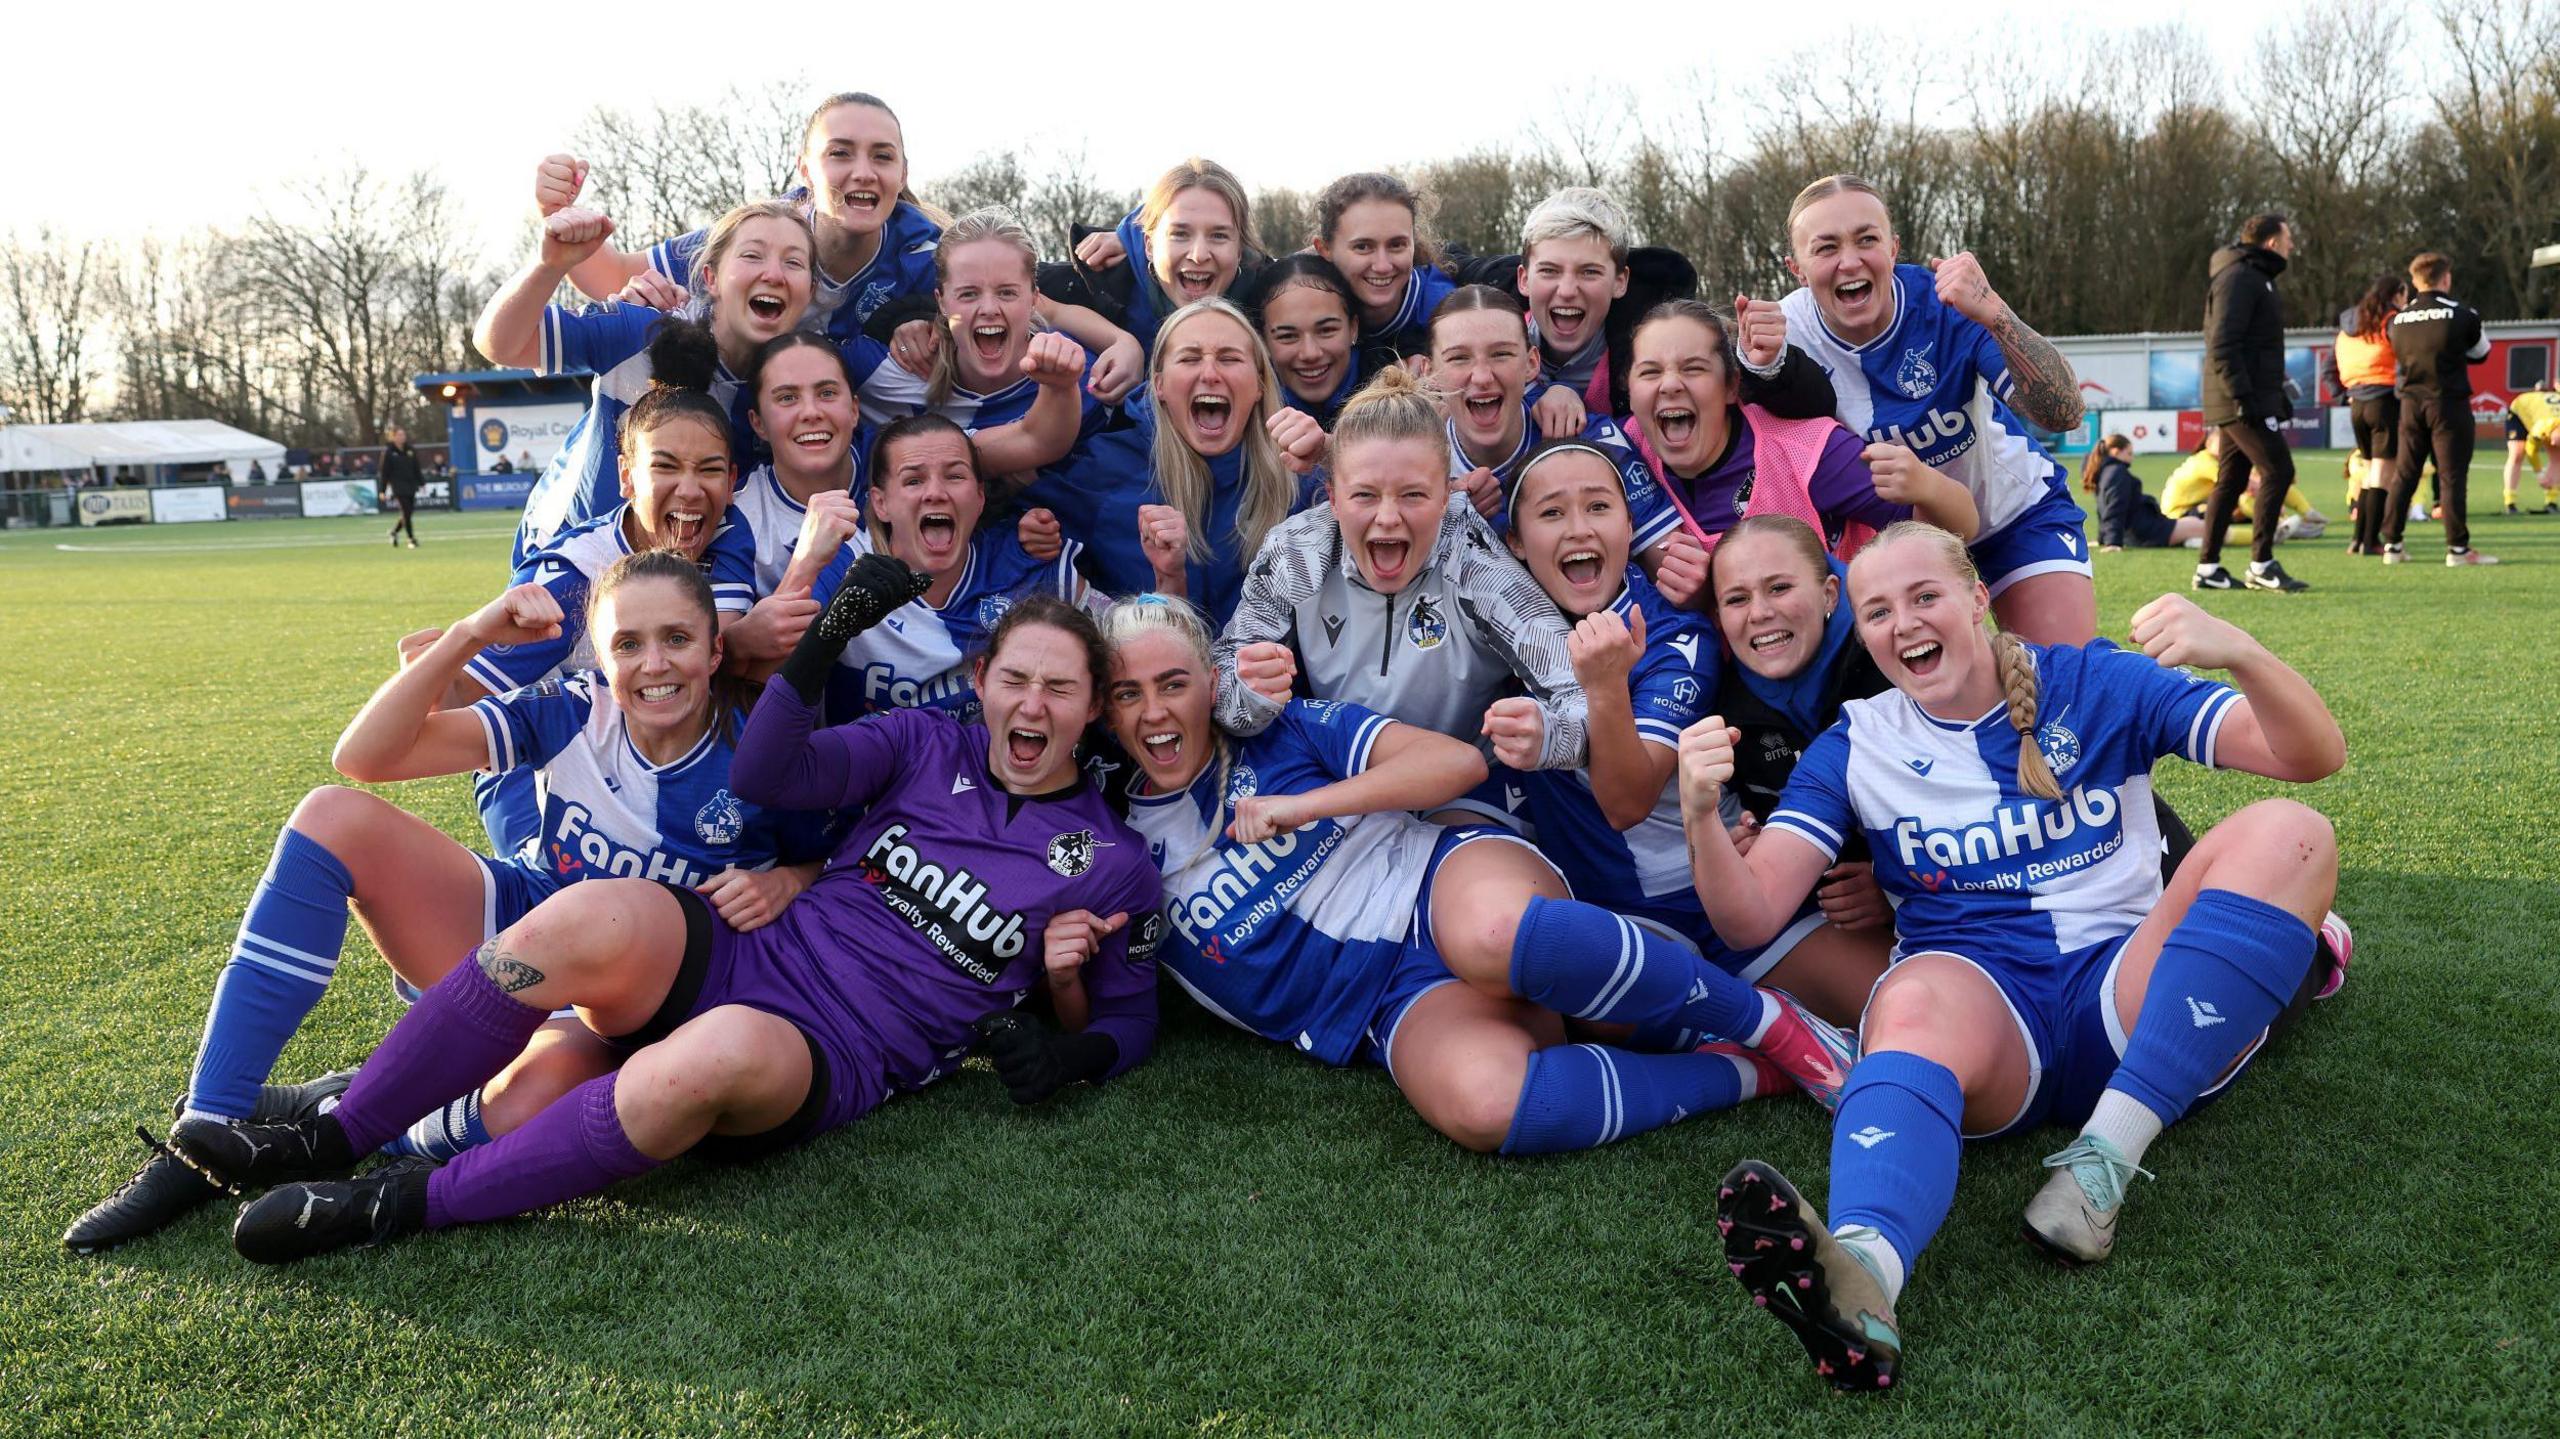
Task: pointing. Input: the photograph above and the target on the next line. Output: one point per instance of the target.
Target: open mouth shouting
(987, 342)
(1853, 298)
(1162, 751)
(1211, 418)
(1581, 569)
(938, 533)
(685, 530)
(862, 204)
(768, 306)
(1675, 425)
(1192, 282)
(1922, 658)
(1564, 324)
(1025, 748)
(1387, 560)
(1484, 413)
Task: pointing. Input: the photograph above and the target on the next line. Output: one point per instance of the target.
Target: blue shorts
(1753, 964)
(1420, 969)
(1499, 801)
(510, 811)
(508, 892)
(2049, 538)
(2074, 1036)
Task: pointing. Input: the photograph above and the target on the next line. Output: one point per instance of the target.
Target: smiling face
(855, 166)
(1681, 388)
(1569, 525)
(986, 299)
(1160, 708)
(1483, 359)
(1388, 496)
(1921, 621)
(1208, 381)
(1196, 245)
(1373, 245)
(1770, 605)
(1310, 336)
(678, 479)
(1038, 694)
(1844, 250)
(1569, 285)
(807, 413)
(658, 650)
(761, 286)
(928, 495)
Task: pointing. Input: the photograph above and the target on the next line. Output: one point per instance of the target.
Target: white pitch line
(221, 545)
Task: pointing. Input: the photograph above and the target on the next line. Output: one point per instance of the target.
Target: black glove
(874, 586)
(1034, 1062)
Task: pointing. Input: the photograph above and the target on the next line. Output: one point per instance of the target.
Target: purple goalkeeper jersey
(932, 909)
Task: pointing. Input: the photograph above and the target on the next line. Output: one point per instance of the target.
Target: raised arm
(1048, 430)
(2042, 385)
(2279, 727)
(1528, 631)
(402, 734)
(1748, 898)
(1409, 768)
(509, 330)
(1254, 665)
(783, 760)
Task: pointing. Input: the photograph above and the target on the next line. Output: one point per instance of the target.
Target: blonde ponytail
(2018, 684)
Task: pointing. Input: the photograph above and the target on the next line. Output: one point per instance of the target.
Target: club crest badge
(991, 608)
(2061, 747)
(1071, 854)
(1426, 628)
(721, 819)
(1917, 375)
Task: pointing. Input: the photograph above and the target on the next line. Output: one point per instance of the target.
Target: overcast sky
(116, 119)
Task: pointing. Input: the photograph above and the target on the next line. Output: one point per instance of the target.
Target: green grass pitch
(2361, 1238)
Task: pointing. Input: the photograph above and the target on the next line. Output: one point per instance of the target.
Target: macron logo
(1920, 766)
(1697, 990)
(960, 784)
(1870, 1137)
(2206, 1016)
(1687, 645)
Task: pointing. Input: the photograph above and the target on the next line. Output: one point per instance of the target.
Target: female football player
(2043, 972)
(1308, 905)
(1190, 239)
(1933, 359)
(1309, 321)
(976, 859)
(631, 776)
(1211, 461)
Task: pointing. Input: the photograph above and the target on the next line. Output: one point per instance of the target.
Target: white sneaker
(2073, 1218)
(2456, 559)
(2395, 555)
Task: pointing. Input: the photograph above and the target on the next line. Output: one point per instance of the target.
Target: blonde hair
(723, 234)
(1195, 173)
(2017, 667)
(1574, 213)
(991, 223)
(1129, 619)
(1828, 186)
(1182, 475)
(1396, 404)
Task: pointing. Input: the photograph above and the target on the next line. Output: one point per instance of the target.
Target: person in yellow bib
(2533, 442)
(2190, 486)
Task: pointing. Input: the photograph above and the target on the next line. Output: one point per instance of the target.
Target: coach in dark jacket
(2436, 339)
(2244, 396)
(400, 481)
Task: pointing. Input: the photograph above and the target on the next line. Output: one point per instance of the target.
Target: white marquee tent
(136, 444)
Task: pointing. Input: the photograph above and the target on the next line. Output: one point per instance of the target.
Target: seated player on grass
(976, 857)
(1649, 670)
(1308, 905)
(630, 775)
(2043, 974)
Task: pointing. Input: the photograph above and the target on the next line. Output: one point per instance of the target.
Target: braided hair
(2017, 666)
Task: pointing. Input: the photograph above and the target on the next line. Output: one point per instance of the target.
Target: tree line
(2094, 192)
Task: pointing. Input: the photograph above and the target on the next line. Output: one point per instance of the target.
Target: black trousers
(408, 515)
(2437, 427)
(2248, 445)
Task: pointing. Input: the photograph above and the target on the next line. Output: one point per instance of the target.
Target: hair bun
(683, 355)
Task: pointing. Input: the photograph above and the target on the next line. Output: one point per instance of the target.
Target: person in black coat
(2436, 339)
(400, 480)
(2245, 397)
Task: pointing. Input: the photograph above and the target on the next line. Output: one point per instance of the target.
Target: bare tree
(48, 366)
(670, 169)
(2498, 114)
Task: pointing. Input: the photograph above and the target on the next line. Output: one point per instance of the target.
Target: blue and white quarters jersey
(1936, 382)
(772, 520)
(891, 390)
(1647, 509)
(838, 308)
(1975, 865)
(585, 479)
(606, 811)
(1294, 938)
(1644, 870)
(570, 565)
(918, 656)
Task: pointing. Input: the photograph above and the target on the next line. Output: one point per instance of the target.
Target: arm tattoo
(511, 973)
(2042, 386)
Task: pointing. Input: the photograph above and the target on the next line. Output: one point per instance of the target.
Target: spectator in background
(2363, 371)
(2437, 339)
(400, 481)
(258, 475)
(524, 462)
(504, 466)
(2127, 515)
(2244, 397)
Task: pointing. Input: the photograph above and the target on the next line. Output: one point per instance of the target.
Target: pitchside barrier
(290, 500)
(2163, 432)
